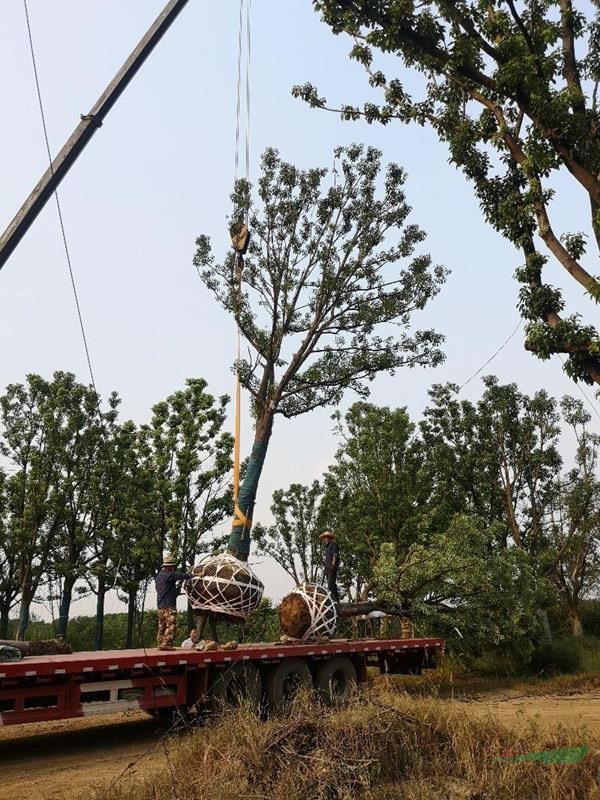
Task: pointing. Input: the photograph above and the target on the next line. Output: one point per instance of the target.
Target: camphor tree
(317, 292)
(511, 89)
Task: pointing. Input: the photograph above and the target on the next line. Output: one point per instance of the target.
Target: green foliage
(293, 541)
(558, 657)
(456, 580)
(327, 269)
(511, 91)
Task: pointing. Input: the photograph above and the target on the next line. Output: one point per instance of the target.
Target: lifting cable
(239, 517)
(58, 206)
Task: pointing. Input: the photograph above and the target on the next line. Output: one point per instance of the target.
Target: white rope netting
(226, 586)
(321, 605)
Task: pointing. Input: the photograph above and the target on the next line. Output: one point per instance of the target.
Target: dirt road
(60, 760)
(63, 760)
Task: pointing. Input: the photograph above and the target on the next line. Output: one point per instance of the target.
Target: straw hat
(327, 534)
(169, 561)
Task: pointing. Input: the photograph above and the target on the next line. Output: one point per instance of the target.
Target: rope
(58, 206)
(491, 358)
(239, 515)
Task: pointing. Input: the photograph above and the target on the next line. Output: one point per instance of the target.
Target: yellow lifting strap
(239, 518)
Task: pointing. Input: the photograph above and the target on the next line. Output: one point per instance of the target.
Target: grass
(389, 743)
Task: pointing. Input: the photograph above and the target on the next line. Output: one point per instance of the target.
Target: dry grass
(386, 744)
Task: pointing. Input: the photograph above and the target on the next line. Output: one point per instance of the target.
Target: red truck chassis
(83, 684)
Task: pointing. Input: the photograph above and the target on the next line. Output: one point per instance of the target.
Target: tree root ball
(225, 586)
(308, 612)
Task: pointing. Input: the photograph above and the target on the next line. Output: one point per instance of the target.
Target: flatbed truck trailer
(42, 688)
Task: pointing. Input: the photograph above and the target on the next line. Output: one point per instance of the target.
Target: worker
(168, 583)
(332, 561)
(191, 641)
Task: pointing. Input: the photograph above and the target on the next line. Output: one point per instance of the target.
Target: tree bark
(26, 600)
(576, 625)
(65, 605)
(239, 538)
(99, 635)
(4, 612)
(545, 622)
(132, 594)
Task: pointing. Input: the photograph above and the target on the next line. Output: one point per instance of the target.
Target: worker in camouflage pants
(168, 583)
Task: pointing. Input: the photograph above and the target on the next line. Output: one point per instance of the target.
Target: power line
(590, 403)
(491, 358)
(58, 206)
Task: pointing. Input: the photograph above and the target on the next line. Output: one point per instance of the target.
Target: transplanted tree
(511, 89)
(293, 540)
(318, 291)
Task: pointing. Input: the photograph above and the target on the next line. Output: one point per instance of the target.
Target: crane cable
(58, 206)
(239, 517)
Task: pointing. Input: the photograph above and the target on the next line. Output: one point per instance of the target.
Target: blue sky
(159, 172)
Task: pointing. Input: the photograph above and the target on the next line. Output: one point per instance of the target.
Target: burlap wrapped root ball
(308, 612)
(226, 586)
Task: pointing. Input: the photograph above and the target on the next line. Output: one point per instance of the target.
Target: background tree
(191, 461)
(456, 579)
(318, 285)
(293, 540)
(39, 421)
(375, 491)
(88, 492)
(9, 555)
(574, 552)
(191, 464)
(511, 89)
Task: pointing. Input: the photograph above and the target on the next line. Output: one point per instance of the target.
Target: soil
(64, 760)
(68, 758)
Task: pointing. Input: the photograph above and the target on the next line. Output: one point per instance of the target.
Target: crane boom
(85, 130)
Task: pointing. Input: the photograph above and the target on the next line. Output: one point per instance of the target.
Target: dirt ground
(64, 760)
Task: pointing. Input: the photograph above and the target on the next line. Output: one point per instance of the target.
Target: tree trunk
(576, 625)
(358, 609)
(4, 612)
(190, 620)
(239, 538)
(545, 623)
(132, 594)
(26, 600)
(65, 605)
(99, 635)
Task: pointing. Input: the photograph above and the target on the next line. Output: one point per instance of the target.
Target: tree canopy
(325, 295)
(511, 90)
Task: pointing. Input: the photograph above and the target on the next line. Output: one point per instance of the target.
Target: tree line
(470, 519)
(89, 503)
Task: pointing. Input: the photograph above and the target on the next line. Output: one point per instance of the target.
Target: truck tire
(335, 680)
(234, 686)
(284, 681)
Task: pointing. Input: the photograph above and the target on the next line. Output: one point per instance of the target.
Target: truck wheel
(335, 680)
(235, 686)
(285, 680)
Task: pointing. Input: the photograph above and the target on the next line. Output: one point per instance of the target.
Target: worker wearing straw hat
(168, 583)
(332, 561)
